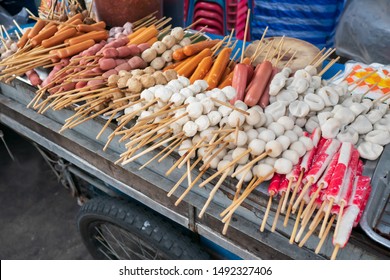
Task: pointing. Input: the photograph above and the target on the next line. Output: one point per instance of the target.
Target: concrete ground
(37, 214)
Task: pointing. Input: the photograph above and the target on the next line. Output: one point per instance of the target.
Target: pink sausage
(67, 87)
(124, 66)
(97, 70)
(80, 84)
(137, 63)
(135, 50)
(107, 63)
(120, 61)
(109, 73)
(110, 53)
(95, 84)
(33, 77)
(123, 40)
(143, 46)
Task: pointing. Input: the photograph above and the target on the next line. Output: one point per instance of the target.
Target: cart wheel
(115, 229)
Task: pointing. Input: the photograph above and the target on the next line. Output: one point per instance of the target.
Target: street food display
(255, 118)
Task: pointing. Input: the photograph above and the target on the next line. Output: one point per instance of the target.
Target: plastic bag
(7, 20)
(363, 33)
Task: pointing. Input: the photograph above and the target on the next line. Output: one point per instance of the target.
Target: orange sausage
(136, 33)
(202, 69)
(179, 55)
(174, 65)
(145, 36)
(44, 34)
(198, 47)
(152, 41)
(92, 27)
(39, 25)
(218, 67)
(72, 20)
(50, 24)
(187, 68)
(227, 81)
(259, 83)
(59, 38)
(64, 27)
(75, 49)
(97, 36)
(22, 42)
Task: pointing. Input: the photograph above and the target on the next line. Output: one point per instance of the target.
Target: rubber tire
(131, 216)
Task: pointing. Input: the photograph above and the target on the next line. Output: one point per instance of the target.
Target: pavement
(37, 214)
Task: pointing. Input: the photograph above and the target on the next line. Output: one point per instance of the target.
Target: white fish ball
(307, 142)
(283, 166)
(238, 152)
(291, 135)
(253, 118)
(277, 128)
(190, 128)
(248, 175)
(194, 110)
(273, 148)
(203, 122)
(291, 155)
(252, 134)
(267, 135)
(236, 119)
(214, 117)
(299, 147)
(287, 122)
(284, 140)
(257, 147)
(230, 92)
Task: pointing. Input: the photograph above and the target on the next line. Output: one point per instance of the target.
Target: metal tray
(376, 217)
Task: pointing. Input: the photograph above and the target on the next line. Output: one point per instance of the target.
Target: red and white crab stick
(331, 146)
(361, 191)
(338, 179)
(346, 190)
(299, 171)
(273, 189)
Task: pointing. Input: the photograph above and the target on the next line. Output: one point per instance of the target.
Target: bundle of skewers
(169, 92)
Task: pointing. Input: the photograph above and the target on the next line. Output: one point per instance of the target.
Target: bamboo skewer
(327, 213)
(262, 227)
(323, 237)
(275, 223)
(310, 232)
(293, 234)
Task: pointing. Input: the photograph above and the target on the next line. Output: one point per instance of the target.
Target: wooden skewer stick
(17, 35)
(285, 200)
(188, 189)
(144, 18)
(296, 223)
(236, 195)
(209, 159)
(291, 59)
(275, 223)
(318, 216)
(322, 58)
(264, 222)
(213, 192)
(245, 34)
(295, 191)
(6, 32)
(18, 26)
(304, 223)
(160, 153)
(233, 207)
(368, 90)
(225, 168)
(323, 238)
(254, 55)
(362, 79)
(335, 251)
(282, 56)
(171, 150)
(192, 151)
(339, 216)
(310, 232)
(312, 200)
(182, 178)
(317, 56)
(327, 213)
(151, 148)
(330, 64)
(301, 195)
(192, 24)
(251, 163)
(334, 76)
